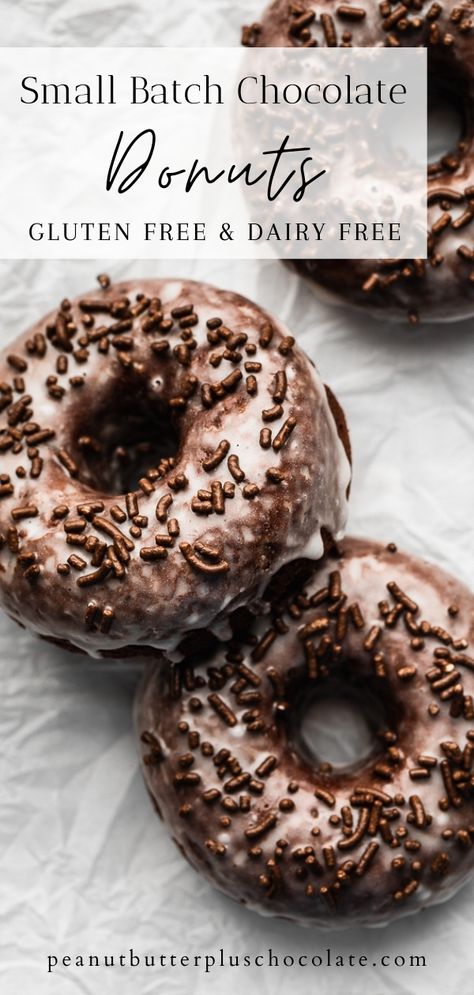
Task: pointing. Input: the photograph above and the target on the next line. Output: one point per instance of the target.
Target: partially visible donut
(441, 288)
(164, 447)
(278, 829)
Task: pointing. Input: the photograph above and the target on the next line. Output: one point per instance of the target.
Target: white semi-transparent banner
(159, 152)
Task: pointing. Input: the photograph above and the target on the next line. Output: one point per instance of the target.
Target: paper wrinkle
(85, 864)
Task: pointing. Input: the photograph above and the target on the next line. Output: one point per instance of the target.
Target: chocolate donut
(271, 825)
(164, 447)
(441, 287)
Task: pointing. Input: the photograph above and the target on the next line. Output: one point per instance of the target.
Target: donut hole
(446, 124)
(339, 726)
(123, 436)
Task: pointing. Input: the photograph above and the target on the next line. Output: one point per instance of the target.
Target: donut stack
(174, 482)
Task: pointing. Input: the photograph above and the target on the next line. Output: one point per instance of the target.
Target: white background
(85, 866)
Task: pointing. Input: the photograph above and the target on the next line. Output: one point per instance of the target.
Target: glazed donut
(280, 830)
(164, 446)
(442, 287)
